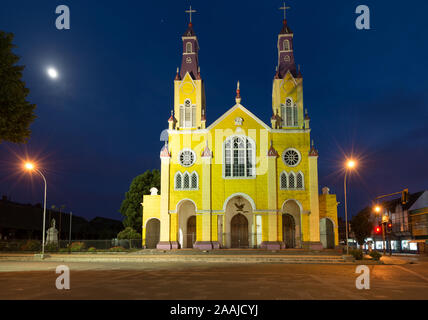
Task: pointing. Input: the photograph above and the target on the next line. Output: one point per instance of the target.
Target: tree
(16, 113)
(131, 206)
(128, 234)
(362, 225)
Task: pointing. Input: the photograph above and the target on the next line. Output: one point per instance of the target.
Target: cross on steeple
(285, 8)
(190, 11)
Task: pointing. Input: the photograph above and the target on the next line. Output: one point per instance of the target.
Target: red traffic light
(378, 230)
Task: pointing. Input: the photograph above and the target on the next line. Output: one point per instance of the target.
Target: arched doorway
(186, 210)
(191, 231)
(239, 231)
(327, 233)
(239, 208)
(288, 231)
(291, 224)
(152, 233)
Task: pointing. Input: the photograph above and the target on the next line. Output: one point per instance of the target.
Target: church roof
(285, 28)
(189, 32)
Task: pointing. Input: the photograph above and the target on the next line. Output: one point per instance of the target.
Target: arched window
(291, 181)
(194, 181)
(286, 45)
(178, 181)
(186, 181)
(187, 114)
(283, 180)
(289, 113)
(300, 184)
(188, 47)
(239, 157)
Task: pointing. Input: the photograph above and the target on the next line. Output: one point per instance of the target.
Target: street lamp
(350, 165)
(31, 167)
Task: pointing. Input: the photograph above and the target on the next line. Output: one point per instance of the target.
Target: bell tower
(189, 91)
(287, 94)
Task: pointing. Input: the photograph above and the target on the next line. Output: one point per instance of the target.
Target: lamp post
(30, 167)
(350, 164)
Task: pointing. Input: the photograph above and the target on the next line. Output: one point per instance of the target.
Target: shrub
(375, 255)
(51, 247)
(117, 249)
(128, 234)
(92, 249)
(63, 250)
(77, 246)
(31, 245)
(357, 254)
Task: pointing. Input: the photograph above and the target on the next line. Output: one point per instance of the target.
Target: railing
(112, 245)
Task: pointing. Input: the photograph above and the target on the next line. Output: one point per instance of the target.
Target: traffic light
(378, 230)
(389, 227)
(405, 196)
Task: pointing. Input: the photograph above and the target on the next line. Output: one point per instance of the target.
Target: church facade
(239, 182)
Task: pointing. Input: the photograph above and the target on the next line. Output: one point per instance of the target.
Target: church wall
(328, 209)
(151, 209)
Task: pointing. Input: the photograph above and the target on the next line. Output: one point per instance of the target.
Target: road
(188, 281)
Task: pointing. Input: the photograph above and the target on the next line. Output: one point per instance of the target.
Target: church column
(314, 216)
(164, 242)
(272, 243)
(205, 242)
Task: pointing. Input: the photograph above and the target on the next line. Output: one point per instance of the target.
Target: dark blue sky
(98, 126)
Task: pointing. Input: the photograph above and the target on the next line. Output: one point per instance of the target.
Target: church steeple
(189, 97)
(286, 49)
(190, 50)
(287, 95)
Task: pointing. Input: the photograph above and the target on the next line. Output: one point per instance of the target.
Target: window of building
(188, 47)
(239, 157)
(194, 181)
(291, 181)
(186, 181)
(187, 157)
(291, 157)
(299, 181)
(283, 181)
(289, 113)
(286, 45)
(178, 181)
(187, 114)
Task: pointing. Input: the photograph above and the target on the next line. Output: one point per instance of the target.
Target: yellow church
(239, 182)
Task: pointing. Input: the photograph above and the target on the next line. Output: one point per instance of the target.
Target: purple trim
(270, 245)
(164, 245)
(203, 245)
(216, 245)
(316, 246)
(175, 245)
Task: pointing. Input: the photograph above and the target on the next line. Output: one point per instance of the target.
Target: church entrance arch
(291, 224)
(152, 233)
(327, 233)
(239, 231)
(289, 231)
(191, 231)
(239, 222)
(186, 209)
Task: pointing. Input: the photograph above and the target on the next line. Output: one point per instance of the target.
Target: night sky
(99, 124)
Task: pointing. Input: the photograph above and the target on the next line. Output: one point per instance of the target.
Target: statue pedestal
(52, 236)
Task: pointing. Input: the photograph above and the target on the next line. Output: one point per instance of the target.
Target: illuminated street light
(350, 165)
(52, 73)
(31, 167)
(377, 209)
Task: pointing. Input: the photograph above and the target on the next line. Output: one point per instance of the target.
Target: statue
(52, 234)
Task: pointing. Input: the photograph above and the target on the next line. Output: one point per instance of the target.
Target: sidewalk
(267, 257)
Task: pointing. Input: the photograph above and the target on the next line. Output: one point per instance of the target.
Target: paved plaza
(196, 280)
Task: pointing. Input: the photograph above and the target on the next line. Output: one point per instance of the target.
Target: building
(409, 224)
(239, 182)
